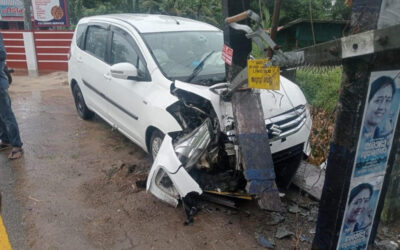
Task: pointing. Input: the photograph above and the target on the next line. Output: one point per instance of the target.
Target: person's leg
(8, 119)
(4, 141)
(3, 133)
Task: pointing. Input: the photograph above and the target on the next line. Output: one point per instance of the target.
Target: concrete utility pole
(27, 15)
(250, 125)
(342, 177)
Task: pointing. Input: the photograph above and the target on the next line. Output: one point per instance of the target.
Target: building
(12, 14)
(299, 33)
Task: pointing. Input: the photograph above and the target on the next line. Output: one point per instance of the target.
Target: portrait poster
(50, 13)
(375, 141)
(379, 122)
(360, 212)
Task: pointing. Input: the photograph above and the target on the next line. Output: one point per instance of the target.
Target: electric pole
(360, 161)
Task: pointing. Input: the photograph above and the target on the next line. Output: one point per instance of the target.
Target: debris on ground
(276, 218)
(303, 238)
(310, 179)
(282, 232)
(387, 245)
(294, 209)
(263, 241)
(141, 184)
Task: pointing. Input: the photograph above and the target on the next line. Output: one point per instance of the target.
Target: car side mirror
(125, 71)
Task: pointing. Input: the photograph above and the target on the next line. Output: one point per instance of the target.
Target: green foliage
(256, 52)
(320, 88)
(204, 10)
(208, 10)
(340, 10)
(320, 9)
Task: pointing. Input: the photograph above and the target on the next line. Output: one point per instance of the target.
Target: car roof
(150, 23)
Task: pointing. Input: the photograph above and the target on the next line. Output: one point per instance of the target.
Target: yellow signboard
(261, 77)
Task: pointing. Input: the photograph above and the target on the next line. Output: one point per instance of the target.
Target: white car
(159, 80)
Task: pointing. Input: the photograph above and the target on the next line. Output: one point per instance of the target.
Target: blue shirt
(3, 77)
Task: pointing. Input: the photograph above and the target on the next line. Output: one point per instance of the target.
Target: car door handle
(107, 76)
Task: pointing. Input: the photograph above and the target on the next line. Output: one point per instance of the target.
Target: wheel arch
(149, 131)
(73, 83)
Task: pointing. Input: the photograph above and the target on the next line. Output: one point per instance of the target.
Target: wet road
(75, 187)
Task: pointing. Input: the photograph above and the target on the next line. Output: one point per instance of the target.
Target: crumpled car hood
(274, 102)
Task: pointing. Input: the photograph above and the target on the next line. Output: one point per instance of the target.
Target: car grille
(287, 123)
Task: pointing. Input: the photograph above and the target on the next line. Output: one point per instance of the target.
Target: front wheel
(156, 140)
(83, 111)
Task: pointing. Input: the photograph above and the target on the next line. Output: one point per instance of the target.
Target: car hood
(274, 102)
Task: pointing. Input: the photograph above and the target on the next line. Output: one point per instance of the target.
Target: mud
(80, 184)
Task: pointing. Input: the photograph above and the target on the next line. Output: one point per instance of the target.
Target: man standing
(9, 132)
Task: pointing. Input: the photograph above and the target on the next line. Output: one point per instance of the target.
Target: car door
(93, 68)
(129, 96)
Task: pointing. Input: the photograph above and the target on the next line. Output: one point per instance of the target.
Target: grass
(321, 88)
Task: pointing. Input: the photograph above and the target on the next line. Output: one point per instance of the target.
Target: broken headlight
(192, 146)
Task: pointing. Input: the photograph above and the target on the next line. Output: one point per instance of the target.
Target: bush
(320, 88)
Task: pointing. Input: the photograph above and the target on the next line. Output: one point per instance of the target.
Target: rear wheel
(156, 140)
(83, 111)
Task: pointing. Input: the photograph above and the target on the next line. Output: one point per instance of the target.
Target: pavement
(11, 207)
(4, 241)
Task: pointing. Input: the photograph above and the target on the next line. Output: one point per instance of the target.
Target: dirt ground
(78, 185)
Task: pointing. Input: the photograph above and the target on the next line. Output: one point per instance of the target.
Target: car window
(179, 53)
(96, 41)
(123, 51)
(80, 35)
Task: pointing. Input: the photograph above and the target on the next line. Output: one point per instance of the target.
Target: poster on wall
(50, 13)
(375, 141)
(360, 212)
(380, 117)
(11, 10)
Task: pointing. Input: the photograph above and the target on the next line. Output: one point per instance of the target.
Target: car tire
(156, 140)
(83, 111)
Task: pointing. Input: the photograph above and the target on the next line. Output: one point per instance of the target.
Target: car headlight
(192, 146)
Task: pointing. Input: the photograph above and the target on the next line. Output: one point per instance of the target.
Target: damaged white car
(160, 81)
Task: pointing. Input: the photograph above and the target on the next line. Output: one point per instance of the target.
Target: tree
(294, 9)
(208, 10)
(340, 10)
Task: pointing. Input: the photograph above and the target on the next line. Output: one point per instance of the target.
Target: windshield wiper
(199, 67)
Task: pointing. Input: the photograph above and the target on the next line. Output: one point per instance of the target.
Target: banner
(50, 13)
(11, 10)
(376, 137)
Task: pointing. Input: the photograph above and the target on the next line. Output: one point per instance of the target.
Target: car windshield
(191, 56)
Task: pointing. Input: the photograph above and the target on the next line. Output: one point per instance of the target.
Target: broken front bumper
(168, 179)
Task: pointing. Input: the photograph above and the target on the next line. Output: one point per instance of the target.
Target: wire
(311, 21)
(261, 13)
